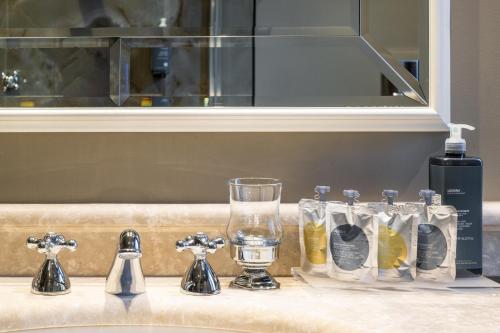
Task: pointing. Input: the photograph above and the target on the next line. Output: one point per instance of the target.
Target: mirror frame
(433, 118)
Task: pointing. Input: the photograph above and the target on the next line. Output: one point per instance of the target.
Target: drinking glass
(254, 229)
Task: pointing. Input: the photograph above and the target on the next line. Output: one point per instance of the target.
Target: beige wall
(476, 81)
(193, 167)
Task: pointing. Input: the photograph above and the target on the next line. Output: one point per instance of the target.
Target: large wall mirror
(224, 65)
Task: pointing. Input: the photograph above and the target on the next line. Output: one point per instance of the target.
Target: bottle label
(349, 246)
(461, 187)
(432, 248)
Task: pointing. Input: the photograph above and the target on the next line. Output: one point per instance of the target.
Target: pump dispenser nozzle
(455, 144)
(321, 192)
(352, 196)
(427, 196)
(390, 196)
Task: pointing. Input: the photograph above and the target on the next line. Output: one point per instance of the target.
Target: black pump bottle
(459, 180)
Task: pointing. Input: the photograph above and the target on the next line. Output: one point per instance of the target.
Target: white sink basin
(127, 329)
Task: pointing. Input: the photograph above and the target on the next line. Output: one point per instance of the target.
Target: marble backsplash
(97, 227)
(491, 238)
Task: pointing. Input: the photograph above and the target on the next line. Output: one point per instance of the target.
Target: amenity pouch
(397, 245)
(352, 241)
(437, 239)
(397, 239)
(312, 232)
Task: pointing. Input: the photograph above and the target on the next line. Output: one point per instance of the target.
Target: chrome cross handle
(10, 81)
(200, 278)
(51, 244)
(200, 244)
(51, 278)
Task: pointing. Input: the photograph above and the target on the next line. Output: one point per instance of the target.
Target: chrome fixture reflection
(51, 278)
(10, 81)
(254, 230)
(125, 276)
(200, 278)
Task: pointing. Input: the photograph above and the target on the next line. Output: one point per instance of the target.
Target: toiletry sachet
(437, 242)
(312, 234)
(352, 243)
(397, 241)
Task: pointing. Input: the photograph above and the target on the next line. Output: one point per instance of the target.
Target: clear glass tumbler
(254, 229)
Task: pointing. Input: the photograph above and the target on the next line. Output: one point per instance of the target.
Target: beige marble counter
(295, 308)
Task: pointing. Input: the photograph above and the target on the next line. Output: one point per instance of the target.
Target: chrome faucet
(125, 276)
(51, 278)
(200, 278)
(10, 81)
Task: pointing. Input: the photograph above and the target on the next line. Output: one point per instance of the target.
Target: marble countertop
(297, 307)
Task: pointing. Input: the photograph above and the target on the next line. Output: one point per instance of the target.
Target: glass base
(255, 279)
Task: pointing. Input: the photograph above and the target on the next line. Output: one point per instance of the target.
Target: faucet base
(200, 280)
(51, 280)
(126, 277)
(46, 293)
(195, 293)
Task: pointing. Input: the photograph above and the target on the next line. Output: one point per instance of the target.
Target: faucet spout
(126, 277)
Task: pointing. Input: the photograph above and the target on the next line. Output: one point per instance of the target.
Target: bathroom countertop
(297, 307)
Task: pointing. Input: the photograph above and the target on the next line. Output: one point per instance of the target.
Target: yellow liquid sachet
(315, 243)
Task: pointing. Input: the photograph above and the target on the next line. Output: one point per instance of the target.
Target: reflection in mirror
(168, 53)
(399, 29)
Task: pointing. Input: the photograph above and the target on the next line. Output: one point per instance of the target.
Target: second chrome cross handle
(200, 278)
(51, 278)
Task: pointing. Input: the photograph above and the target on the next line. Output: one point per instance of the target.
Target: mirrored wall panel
(206, 53)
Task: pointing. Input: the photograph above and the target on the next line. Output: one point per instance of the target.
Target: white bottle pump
(455, 144)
